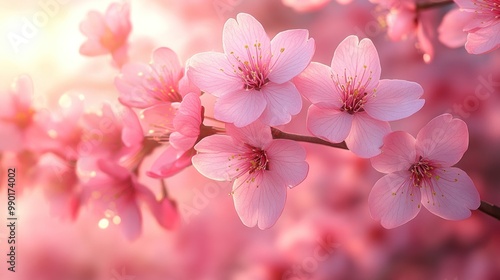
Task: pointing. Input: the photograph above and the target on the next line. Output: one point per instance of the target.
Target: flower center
(110, 41)
(420, 171)
(253, 69)
(353, 102)
(258, 160)
(23, 118)
(488, 7)
(354, 90)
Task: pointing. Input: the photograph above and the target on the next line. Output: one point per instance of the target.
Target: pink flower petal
(114, 170)
(218, 158)
(120, 55)
(166, 60)
(394, 100)
(398, 153)
(452, 195)
(356, 62)
(484, 40)
(316, 84)
(186, 86)
(93, 25)
(393, 200)
(212, 73)
(131, 220)
(23, 87)
(303, 6)
(164, 211)
(292, 51)
(260, 201)
(256, 134)
(158, 119)
(478, 20)
(181, 142)
(11, 138)
(451, 29)
(330, 124)
(366, 136)
(92, 48)
(287, 160)
(244, 38)
(401, 23)
(283, 102)
(170, 162)
(8, 106)
(117, 18)
(130, 83)
(132, 134)
(443, 140)
(466, 4)
(241, 107)
(187, 121)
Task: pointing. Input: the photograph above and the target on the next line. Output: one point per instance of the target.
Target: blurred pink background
(325, 231)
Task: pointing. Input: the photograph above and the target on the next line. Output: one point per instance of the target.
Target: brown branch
(431, 5)
(278, 134)
(490, 209)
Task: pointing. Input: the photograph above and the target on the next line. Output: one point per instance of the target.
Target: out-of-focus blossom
(476, 24)
(262, 169)
(351, 103)
(162, 81)
(107, 33)
(404, 21)
(114, 194)
(60, 184)
(251, 79)
(18, 125)
(420, 173)
(116, 136)
(56, 168)
(64, 129)
(181, 128)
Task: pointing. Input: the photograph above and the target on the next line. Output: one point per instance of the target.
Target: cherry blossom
(251, 79)
(451, 29)
(405, 21)
(351, 103)
(420, 173)
(160, 81)
(64, 129)
(261, 168)
(114, 193)
(476, 24)
(18, 118)
(107, 33)
(60, 184)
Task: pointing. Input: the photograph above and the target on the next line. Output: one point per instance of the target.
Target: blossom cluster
(258, 83)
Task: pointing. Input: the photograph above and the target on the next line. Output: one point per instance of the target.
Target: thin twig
(490, 209)
(164, 191)
(431, 5)
(278, 134)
